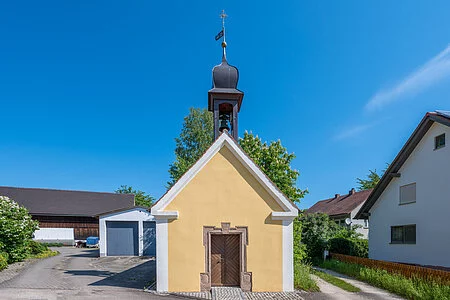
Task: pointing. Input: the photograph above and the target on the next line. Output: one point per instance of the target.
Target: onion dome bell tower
(224, 99)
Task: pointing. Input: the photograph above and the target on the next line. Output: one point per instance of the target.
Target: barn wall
(82, 226)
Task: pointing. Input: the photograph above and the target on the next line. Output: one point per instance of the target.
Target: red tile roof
(340, 205)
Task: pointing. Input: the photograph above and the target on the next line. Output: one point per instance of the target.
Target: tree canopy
(372, 179)
(197, 135)
(140, 198)
(275, 161)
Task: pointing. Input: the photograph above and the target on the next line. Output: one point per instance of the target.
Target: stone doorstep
(226, 293)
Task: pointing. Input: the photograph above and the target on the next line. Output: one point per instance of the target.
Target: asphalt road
(80, 274)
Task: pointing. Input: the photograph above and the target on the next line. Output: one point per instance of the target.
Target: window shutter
(408, 193)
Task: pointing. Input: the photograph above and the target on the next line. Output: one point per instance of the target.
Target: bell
(223, 125)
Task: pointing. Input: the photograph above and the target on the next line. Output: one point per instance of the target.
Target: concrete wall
(55, 235)
(224, 191)
(430, 169)
(133, 214)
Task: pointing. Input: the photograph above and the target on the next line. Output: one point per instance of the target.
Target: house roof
(290, 210)
(340, 205)
(439, 116)
(66, 203)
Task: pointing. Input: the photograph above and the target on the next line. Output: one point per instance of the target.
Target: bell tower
(224, 99)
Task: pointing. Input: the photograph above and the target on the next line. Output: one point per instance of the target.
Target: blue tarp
(92, 240)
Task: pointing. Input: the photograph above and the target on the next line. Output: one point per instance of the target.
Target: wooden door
(225, 260)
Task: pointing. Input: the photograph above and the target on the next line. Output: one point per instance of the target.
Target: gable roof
(125, 209)
(66, 203)
(290, 210)
(439, 116)
(340, 205)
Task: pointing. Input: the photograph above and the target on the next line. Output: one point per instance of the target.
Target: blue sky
(93, 93)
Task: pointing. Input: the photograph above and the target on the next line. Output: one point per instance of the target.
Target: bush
(16, 229)
(3, 261)
(36, 248)
(317, 229)
(313, 233)
(354, 247)
(299, 247)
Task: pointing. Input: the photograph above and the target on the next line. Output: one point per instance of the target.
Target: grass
(336, 281)
(53, 244)
(411, 288)
(45, 254)
(302, 278)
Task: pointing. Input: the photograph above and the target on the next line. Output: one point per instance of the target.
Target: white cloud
(352, 132)
(433, 71)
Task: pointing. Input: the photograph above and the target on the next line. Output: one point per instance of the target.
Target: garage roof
(66, 203)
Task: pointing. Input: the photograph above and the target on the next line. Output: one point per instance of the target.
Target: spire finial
(223, 16)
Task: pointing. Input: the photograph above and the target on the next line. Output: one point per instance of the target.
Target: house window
(366, 223)
(403, 234)
(408, 193)
(439, 141)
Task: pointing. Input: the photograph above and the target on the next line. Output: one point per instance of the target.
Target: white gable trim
(290, 210)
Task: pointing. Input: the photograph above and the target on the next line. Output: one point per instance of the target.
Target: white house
(409, 208)
(343, 208)
(127, 232)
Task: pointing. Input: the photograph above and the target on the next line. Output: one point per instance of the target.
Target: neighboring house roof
(340, 205)
(66, 203)
(439, 116)
(290, 210)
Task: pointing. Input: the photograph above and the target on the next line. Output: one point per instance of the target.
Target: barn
(66, 216)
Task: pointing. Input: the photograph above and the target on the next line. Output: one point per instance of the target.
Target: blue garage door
(122, 238)
(149, 238)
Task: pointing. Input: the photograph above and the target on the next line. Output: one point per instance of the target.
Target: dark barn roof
(439, 116)
(66, 203)
(340, 205)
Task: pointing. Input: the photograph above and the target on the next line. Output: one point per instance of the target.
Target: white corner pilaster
(102, 241)
(162, 253)
(288, 256)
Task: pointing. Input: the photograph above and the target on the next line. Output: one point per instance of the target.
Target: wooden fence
(403, 269)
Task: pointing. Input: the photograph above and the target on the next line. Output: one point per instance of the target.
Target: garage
(122, 237)
(149, 238)
(127, 232)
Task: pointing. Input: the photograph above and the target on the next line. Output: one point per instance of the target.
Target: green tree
(275, 161)
(16, 229)
(140, 197)
(372, 179)
(196, 136)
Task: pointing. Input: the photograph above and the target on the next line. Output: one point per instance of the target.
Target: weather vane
(221, 34)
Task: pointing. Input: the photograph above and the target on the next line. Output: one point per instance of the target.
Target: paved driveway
(80, 274)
